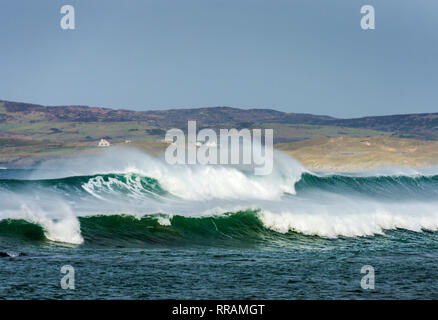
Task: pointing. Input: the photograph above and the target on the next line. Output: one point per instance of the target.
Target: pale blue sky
(297, 56)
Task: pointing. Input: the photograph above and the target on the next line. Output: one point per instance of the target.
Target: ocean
(133, 227)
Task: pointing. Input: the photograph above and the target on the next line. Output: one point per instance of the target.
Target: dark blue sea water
(405, 268)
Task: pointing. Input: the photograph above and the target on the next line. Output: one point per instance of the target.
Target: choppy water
(134, 227)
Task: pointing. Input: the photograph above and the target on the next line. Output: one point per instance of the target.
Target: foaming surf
(132, 197)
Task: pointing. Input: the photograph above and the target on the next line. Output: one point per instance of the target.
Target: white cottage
(103, 143)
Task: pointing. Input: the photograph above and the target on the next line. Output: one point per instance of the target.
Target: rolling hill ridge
(31, 133)
(423, 126)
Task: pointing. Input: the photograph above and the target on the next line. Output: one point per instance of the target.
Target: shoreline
(342, 154)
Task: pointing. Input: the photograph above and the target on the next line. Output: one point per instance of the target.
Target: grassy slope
(349, 153)
(297, 132)
(26, 137)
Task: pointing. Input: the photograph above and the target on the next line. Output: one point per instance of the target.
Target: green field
(33, 134)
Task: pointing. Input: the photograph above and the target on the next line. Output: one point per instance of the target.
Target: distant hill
(422, 126)
(166, 117)
(30, 133)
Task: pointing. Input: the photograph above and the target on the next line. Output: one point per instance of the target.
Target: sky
(307, 56)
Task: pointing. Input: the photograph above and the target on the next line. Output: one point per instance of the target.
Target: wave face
(237, 228)
(128, 198)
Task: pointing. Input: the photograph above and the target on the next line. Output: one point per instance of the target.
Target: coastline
(342, 154)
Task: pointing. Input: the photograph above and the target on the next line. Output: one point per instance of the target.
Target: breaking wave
(142, 201)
